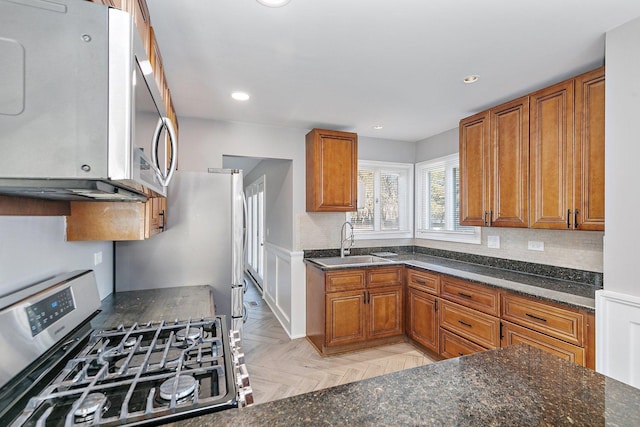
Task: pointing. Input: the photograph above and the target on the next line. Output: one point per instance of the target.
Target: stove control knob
(242, 376)
(239, 358)
(245, 397)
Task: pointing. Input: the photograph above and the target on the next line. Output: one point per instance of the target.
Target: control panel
(49, 310)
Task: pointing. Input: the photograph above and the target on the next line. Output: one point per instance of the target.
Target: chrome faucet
(343, 238)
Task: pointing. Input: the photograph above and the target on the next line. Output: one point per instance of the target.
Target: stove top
(144, 373)
(139, 374)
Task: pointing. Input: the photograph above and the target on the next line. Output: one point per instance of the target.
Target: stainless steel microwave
(81, 115)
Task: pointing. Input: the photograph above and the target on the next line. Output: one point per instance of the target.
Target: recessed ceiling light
(377, 127)
(471, 79)
(273, 3)
(240, 96)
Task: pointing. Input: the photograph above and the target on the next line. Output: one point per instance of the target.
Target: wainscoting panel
(281, 290)
(618, 336)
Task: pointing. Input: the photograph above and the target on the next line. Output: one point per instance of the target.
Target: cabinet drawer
(478, 297)
(558, 322)
(451, 345)
(514, 334)
(427, 282)
(384, 276)
(344, 280)
(478, 327)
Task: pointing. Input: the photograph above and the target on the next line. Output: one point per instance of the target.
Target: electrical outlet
(534, 245)
(493, 242)
(97, 258)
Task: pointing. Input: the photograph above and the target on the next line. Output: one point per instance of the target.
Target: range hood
(68, 189)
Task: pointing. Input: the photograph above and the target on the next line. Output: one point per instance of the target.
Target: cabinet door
(385, 312)
(474, 169)
(345, 314)
(514, 334)
(332, 171)
(509, 161)
(158, 220)
(589, 152)
(422, 318)
(551, 116)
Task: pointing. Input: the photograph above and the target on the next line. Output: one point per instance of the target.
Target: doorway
(255, 196)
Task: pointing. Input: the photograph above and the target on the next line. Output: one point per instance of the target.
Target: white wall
(618, 305)
(34, 248)
(622, 152)
(572, 249)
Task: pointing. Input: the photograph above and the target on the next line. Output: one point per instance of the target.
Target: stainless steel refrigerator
(202, 245)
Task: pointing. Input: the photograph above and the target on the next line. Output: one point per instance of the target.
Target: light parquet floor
(280, 367)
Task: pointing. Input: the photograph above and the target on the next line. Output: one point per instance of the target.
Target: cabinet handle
(491, 219)
(568, 218)
(161, 214)
(420, 282)
(364, 296)
(575, 218)
(485, 217)
(542, 319)
(501, 336)
(435, 305)
(462, 294)
(465, 324)
(460, 354)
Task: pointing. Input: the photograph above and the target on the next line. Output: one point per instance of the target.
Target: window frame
(449, 162)
(377, 233)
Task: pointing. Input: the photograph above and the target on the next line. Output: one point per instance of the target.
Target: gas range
(143, 373)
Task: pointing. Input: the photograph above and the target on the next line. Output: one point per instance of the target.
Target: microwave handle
(164, 122)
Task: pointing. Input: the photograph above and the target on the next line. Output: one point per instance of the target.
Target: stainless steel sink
(350, 261)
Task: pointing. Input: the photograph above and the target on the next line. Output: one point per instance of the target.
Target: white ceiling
(353, 64)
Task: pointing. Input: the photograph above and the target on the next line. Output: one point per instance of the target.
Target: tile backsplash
(581, 250)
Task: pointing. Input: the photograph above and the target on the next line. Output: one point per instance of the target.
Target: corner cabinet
(422, 308)
(116, 221)
(354, 308)
(332, 171)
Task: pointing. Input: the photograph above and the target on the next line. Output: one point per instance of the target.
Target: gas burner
(130, 342)
(87, 410)
(192, 334)
(110, 354)
(185, 387)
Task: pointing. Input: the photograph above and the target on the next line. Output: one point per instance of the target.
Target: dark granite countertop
(148, 305)
(567, 292)
(513, 386)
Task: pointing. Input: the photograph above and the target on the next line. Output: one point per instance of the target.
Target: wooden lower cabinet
(356, 313)
(514, 334)
(422, 319)
(346, 318)
(452, 345)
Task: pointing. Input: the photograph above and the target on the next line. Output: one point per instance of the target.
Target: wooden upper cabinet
(552, 156)
(332, 171)
(509, 161)
(116, 221)
(494, 166)
(474, 169)
(589, 151)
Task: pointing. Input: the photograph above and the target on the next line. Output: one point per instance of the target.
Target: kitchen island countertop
(514, 386)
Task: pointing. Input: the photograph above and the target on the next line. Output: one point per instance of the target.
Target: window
(385, 200)
(438, 202)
